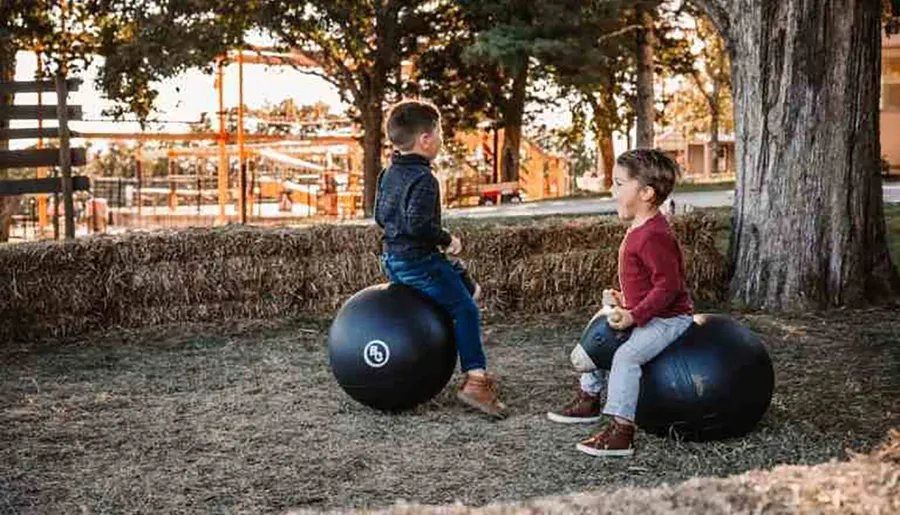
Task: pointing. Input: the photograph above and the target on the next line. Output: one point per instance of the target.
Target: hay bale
(546, 266)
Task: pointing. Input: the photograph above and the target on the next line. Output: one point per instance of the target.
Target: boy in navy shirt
(408, 208)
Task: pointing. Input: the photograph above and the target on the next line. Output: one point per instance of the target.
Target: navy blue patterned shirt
(408, 208)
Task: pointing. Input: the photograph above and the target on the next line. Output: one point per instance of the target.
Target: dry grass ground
(246, 419)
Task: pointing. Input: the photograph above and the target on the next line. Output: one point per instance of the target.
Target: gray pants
(624, 376)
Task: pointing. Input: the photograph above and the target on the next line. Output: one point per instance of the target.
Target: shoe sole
(481, 407)
(605, 453)
(561, 419)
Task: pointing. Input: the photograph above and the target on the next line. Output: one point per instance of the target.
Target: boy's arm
(422, 212)
(660, 257)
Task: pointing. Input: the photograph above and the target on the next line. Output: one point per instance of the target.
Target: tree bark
(712, 167)
(605, 119)
(808, 222)
(645, 97)
(370, 101)
(512, 119)
(373, 135)
(607, 158)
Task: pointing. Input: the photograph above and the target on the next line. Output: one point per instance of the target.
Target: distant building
(890, 101)
(694, 154)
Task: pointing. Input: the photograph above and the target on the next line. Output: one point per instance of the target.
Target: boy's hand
(455, 246)
(620, 319)
(613, 298)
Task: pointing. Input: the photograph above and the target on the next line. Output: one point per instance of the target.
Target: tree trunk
(512, 125)
(373, 118)
(808, 227)
(370, 101)
(607, 157)
(712, 168)
(605, 118)
(645, 97)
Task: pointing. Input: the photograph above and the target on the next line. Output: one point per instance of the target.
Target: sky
(184, 97)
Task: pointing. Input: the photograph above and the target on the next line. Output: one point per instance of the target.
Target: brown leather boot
(481, 393)
(616, 439)
(583, 409)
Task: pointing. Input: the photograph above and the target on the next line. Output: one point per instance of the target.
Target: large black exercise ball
(391, 347)
(715, 381)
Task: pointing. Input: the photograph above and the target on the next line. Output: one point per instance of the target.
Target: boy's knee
(581, 361)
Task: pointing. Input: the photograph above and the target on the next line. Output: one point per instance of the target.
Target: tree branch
(616, 33)
(695, 75)
(720, 12)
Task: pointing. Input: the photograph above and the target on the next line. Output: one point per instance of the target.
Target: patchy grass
(248, 419)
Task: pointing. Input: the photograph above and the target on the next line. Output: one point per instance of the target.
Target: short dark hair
(409, 119)
(651, 167)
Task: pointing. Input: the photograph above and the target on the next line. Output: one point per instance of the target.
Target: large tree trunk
(808, 227)
(372, 96)
(371, 106)
(512, 125)
(373, 118)
(645, 97)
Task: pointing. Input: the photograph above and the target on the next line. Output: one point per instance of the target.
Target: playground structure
(229, 176)
(284, 180)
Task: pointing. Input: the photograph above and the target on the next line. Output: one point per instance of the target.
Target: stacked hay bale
(50, 289)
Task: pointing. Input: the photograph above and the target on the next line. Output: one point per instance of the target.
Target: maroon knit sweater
(651, 272)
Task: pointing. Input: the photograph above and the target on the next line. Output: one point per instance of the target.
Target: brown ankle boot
(481, 393)
(583, 409)
(616, 439)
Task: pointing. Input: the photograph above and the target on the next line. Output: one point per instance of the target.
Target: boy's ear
(648, 194)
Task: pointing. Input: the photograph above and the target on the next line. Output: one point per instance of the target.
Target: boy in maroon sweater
(655, 302)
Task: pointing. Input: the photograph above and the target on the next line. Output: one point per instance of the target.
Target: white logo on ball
(376, 354)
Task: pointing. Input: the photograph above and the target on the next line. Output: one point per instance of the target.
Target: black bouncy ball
(391, 348)
(716, 381)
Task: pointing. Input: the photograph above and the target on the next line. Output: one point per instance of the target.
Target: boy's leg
(436, 278)
(472, 287)
(643, 345)
(593, 382)
(623, 388)
(447, 289)
(586, 406)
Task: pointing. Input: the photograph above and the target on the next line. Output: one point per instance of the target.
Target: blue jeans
(437, 278)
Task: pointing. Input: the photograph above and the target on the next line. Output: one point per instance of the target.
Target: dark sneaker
(482, 393)
(583, 409)
(615, 440)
